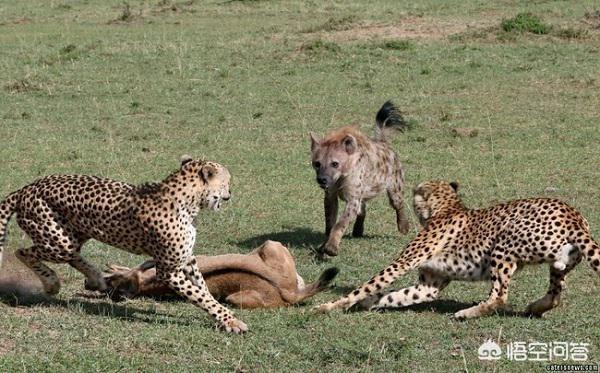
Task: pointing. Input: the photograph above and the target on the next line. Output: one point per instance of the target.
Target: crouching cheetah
(355, 168)
(61, 212)
(457, 243)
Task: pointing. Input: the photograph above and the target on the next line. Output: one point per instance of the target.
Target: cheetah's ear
(454, 186)
(186, 159)
(349, 143)
(207, 172)
(314, 141)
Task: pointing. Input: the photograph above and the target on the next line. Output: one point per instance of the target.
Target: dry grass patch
(421, 28)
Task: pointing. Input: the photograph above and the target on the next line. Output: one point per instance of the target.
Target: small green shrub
(525, 22)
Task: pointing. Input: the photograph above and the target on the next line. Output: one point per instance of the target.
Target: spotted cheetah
(355, 168)
(61, 212)
(457, 243)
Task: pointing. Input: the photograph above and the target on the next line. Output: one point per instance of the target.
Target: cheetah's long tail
(591, 250)
(7, 208)
(388, 117)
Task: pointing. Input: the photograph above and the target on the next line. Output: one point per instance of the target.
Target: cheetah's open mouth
(214, 204)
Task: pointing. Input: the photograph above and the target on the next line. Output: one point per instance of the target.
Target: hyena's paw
(403, 227)
(234, 325)
(329, 248)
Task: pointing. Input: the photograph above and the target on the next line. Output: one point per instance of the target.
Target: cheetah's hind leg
(557, 284)
(62, 245)
(502, 271)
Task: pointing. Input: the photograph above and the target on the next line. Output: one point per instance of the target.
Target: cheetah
(489, 244)
(61, 212)
(355, 168)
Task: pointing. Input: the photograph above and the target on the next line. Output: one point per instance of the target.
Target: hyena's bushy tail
(388, 117)
(7, 208)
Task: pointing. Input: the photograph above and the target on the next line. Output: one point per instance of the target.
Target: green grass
(525, 22)
(86, 90)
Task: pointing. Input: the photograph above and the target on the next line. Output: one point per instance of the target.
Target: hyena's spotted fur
(355, 168)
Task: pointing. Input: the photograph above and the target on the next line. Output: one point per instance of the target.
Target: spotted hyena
(355, 168)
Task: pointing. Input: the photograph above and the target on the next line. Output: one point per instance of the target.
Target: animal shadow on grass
(441, 306)
(29, 298)
(295, 237)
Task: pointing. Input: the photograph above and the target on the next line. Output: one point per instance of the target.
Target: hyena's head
(335, 155)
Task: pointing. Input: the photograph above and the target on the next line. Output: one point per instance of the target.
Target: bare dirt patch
(422, 28)
(6, 346)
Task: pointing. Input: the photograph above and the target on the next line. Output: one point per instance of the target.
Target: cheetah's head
(211, 182)
(433, 197)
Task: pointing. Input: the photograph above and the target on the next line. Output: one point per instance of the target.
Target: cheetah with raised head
(355, 168)
(457, 243)
(61, 212)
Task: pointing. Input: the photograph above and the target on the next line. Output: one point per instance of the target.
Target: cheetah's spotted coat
(61, 212)
(457, 243)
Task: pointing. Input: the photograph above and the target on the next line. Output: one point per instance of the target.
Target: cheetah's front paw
(95, 284)
(342, 303)
(325, 307)
(51, 288)
(468, 313)
(235, 326)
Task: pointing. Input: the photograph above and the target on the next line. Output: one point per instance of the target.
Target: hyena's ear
(314, 141)
(349, 143)
(185, 159)
(454, 186)
(207, 172)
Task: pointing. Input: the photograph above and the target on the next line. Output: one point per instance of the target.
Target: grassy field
(508, 109)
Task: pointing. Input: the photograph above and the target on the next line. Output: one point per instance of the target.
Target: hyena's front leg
(396, 199)
(397, 202)
(331, 211)
(188, 283)
(335, 236)
(359, 224)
